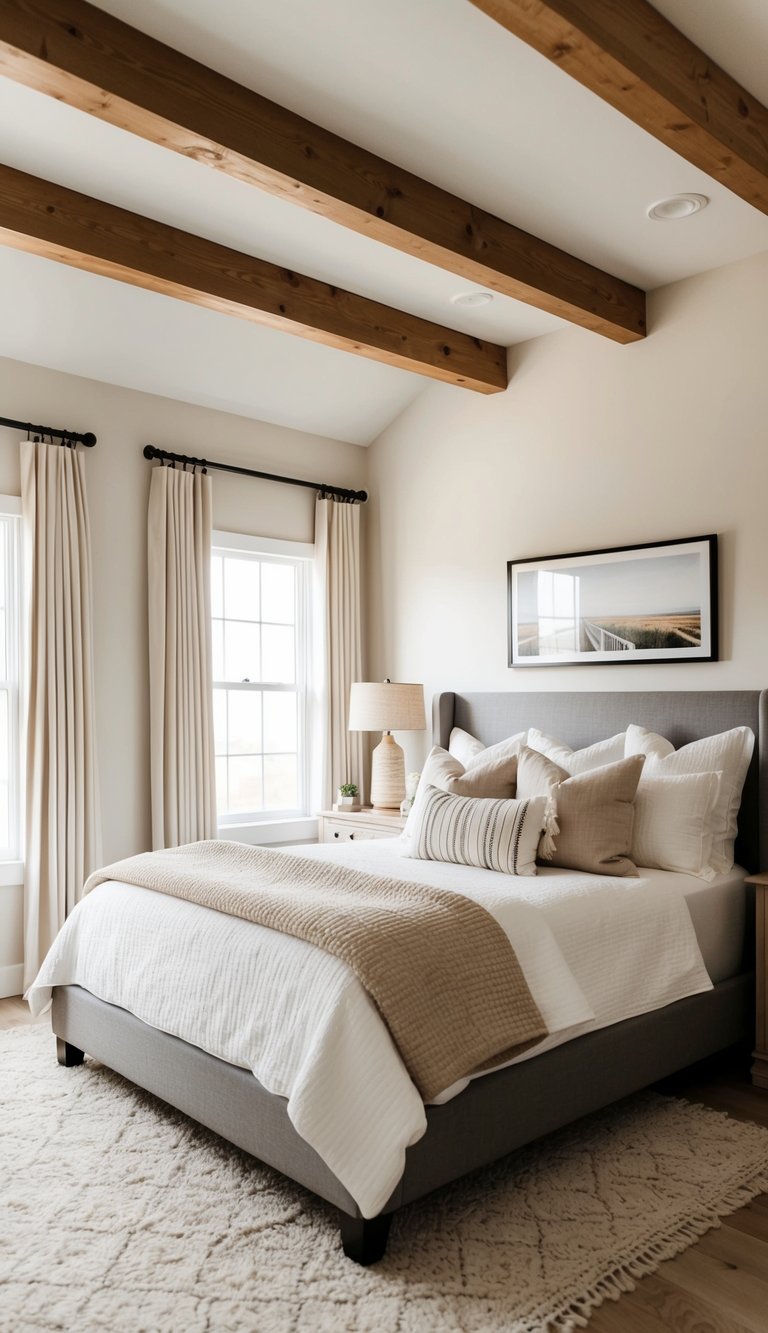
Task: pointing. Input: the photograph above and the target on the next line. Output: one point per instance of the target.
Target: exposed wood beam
(632, 57)
(85, 57)
(60, 224)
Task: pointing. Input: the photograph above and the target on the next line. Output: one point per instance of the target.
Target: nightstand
(346, 826)
(760, 1053)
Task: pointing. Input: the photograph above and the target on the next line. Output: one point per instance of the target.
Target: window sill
(272, 831)
(12, 873)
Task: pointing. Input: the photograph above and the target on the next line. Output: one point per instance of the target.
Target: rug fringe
(624, 1277)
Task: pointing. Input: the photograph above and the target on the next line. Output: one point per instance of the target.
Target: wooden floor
(720, 1284)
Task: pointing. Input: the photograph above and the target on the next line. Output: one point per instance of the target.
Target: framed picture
(650, 603)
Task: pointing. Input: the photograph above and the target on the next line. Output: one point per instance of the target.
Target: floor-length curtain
(180, 675)
(337, 566)
(62, 826)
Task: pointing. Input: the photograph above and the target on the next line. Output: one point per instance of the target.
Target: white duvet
(594, 950)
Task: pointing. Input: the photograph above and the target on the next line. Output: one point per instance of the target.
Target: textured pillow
(728, 753)
(489, 775)
(577, 761)
(673, 822)
(496, 835)
(594, 810)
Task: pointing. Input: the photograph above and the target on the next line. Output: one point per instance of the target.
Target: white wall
(118, 485)
(592, 445)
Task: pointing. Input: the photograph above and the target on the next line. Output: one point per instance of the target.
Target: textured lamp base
(387, 774)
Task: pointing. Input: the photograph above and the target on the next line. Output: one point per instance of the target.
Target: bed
(501, 1111)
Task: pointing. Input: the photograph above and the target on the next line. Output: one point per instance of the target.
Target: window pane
(278, 600)
(4, 738)
(279, 721)
(222, 793)
(5, 822)
(244, 721)
(217, 586)
(241, 588)
(241, 651)
(278, 654)
(281, 788)
(217, 644)
(245, 783)
(220, 721)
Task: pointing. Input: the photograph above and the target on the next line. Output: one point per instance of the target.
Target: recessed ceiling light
(677, 206)
(473, 299)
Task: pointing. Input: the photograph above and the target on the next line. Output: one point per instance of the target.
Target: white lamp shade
(386, 706)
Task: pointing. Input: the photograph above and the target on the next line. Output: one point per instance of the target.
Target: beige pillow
(490, 774)
(594, 810)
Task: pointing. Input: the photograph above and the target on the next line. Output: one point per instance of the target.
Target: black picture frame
(571, 609)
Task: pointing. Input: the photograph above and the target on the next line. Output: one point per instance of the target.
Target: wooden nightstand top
(761, 879)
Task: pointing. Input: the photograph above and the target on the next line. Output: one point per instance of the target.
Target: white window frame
(11, 863)
(274, 826)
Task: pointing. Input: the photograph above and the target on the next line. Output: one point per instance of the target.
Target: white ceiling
(431, 84)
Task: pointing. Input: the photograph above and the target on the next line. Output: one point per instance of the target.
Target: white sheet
(594, 950)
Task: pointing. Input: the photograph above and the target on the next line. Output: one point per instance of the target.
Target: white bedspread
(594, 950)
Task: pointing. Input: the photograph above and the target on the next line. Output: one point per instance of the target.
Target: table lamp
(387, 706)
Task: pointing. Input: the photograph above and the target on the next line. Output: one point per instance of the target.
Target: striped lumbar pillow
(495, 834)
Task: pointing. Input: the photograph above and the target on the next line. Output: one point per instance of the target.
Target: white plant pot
(347, 802)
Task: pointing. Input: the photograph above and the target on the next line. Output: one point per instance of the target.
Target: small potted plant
(348, 796)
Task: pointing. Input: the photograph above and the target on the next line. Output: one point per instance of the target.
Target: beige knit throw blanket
(438, 967)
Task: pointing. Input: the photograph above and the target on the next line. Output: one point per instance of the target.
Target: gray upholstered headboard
(581, 718)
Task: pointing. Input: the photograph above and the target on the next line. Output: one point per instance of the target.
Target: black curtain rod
(89, 439)
(163, 456)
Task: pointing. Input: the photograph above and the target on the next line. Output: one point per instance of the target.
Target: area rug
(120, 1214)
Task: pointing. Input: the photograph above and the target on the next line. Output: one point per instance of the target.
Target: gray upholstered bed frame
(501, 1111)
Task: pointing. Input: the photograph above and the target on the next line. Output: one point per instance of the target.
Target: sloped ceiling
(430, 84)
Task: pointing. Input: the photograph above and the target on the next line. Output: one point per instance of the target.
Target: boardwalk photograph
(630, 604)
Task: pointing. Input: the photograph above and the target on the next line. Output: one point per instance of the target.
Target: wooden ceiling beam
(60, 224)
(636, 60)
(77, 53)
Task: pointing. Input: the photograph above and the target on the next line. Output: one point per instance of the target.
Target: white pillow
(463, 746)
(468, 749)
(609, 751)
(641, 741)
(673, 822)
(506, 749)
(495, 835)
(728, 753)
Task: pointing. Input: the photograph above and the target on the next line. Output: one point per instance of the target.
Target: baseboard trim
(11, 980)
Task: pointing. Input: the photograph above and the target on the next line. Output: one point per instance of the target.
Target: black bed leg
(364, 1239)
(68, 1055)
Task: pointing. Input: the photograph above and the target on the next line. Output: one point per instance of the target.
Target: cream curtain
(63, 836)
(180, 689)
(337, 564)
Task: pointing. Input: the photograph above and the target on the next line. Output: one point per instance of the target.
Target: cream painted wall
(592, 445)
(118, 484)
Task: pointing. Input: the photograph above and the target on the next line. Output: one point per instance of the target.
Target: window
(10, 670)
(259, 608)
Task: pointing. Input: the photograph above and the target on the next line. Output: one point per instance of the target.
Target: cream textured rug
(119, 1214)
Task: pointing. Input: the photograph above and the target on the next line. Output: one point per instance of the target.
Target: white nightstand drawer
(358, 825)
(343, 832)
